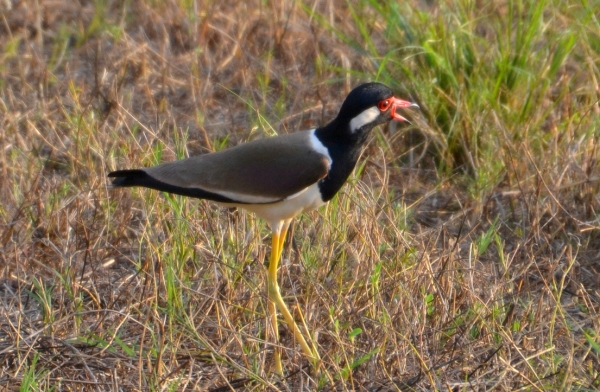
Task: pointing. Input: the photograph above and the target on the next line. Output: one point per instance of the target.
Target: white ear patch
(366, 117)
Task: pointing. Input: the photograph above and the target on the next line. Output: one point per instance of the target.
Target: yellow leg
(284, 230)
(273, 310)
(272, 307)
(275, 297)
(282, 236)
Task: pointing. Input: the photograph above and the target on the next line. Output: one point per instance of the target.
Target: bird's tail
(138, 177)
(128, 178)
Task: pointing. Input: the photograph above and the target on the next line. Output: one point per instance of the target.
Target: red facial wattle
(395, 103)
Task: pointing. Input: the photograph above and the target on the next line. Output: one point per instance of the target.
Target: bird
(277, 178)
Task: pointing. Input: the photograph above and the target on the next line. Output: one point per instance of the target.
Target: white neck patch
(366, 117)
(319, 147)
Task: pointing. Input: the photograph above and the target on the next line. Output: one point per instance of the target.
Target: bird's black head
(363, 97)
(366, 106)
(371, 104)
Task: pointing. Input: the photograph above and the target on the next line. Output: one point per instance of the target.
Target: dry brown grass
(414, 278)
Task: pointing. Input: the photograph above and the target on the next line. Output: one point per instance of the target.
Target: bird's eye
(384, 105)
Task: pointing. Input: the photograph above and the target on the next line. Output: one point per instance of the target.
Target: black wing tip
(126, 173)
(125, 178)
(138, 177)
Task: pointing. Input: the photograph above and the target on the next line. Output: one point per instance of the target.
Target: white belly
(274, 213)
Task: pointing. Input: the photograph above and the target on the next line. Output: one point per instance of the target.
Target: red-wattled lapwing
(279, 177)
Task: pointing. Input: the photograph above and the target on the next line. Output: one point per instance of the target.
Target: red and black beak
(400, 103)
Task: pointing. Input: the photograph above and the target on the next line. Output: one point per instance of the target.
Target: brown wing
(262, 171)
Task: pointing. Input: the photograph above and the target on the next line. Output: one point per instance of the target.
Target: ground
(461, 255)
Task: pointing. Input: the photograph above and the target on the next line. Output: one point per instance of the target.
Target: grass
(462, 254)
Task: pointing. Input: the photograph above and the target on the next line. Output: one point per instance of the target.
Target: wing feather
(262, 171)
